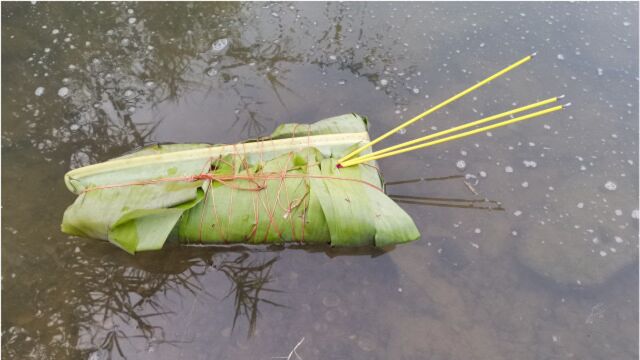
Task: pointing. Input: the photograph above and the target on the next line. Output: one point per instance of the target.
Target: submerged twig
(293, 352)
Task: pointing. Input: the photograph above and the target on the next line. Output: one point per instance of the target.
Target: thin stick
(454, 137)
(293, 352)
(437, 107)
(462, 127)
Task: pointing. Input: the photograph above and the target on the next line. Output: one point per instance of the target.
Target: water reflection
(479, 204)
(125, 301)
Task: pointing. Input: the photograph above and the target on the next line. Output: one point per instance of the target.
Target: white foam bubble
(610, 185)
(63, 91)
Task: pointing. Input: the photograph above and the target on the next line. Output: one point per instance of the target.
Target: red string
(258, 181)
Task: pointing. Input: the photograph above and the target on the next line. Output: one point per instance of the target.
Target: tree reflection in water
(118, 302)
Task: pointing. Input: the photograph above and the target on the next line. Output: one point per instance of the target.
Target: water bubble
(384, 82)
(603, 253)
(132, 20)
(626, 23)
(150, 84)
(74, 127)
(331, 300)
(366, 344)
(131, 109)
(634, 214)
(618, 239)
(63, 91)
(416, 91)
(403, 130)
(530, 163)
(483, 174)
(600, 71)
(39, 91)
(472, 179)
(212, 72)
(55, 31)
(124, 42)
(517, 213)
(560, 57)
(220, 45)
(128, 93)
(508, 169)
(610, 185)
(461, 164)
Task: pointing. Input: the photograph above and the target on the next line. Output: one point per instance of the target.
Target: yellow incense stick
(454, 137)
(461, 127)
(437, 107)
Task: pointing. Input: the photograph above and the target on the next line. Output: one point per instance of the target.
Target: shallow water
(552, 274)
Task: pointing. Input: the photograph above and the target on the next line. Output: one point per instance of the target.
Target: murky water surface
(552, 275)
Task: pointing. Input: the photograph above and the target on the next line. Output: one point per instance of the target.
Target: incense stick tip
(566, 105)
(534, 54)
(339, 166)
(560, 97)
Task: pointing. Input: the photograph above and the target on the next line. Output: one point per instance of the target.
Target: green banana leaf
(284, 188)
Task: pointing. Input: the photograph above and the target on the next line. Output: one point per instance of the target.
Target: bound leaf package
(280, 189)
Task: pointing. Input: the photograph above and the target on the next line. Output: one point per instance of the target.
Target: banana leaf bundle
(280, 189)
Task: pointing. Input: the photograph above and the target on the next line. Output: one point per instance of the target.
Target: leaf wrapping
(285, 188)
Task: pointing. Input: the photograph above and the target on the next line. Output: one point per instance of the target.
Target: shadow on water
(478, 204)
